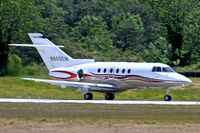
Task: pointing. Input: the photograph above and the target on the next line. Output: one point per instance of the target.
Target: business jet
(87, 75)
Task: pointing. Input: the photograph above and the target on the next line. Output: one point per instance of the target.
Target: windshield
(167, 69)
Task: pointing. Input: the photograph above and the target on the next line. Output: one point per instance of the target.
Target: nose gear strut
(167, 97)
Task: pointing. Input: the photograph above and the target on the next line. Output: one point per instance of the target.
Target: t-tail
(51, 54)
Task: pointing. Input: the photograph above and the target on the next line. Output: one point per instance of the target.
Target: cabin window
(117, 70)
(104, 70)
(99, 70)
(123, 70)
(129, 70)
(111, 70)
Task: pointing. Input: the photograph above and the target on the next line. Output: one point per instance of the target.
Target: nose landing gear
(167, 97)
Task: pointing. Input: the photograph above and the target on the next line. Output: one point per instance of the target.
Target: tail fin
(53, 56)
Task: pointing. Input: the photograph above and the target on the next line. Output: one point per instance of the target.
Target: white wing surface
(37, 45)
(78, 85)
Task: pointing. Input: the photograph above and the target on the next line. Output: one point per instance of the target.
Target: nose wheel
(88, 96)
(167, 97)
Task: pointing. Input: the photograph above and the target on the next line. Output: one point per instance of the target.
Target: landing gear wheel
(88, 96)
(167, 98)
(109, 96)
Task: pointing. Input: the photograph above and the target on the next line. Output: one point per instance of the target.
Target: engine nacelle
(73, 74)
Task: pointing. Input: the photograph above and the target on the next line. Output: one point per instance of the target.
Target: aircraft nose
(186, 81)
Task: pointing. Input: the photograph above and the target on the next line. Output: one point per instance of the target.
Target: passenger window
(123, 70)
(129, 70)
(104, 70)
(111, 70)
(117, 70)
(99, 70)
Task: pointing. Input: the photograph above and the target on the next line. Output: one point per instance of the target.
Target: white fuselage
(109, 77)
(123, 75)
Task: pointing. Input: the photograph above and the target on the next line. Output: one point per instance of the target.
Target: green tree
(14, 65)
(128, 31)
(127, 20)
(13, 21)
(75, 10)
(191, 33)
(159, 51)
(21, 17)
(92, 32)
(171, 16)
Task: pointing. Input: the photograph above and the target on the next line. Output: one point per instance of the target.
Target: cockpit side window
(162, 69)
(154, 69)
(158, 69)
(167, 69)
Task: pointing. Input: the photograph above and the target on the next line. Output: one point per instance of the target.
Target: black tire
(109, 96)
(88, 96)
(167, 98)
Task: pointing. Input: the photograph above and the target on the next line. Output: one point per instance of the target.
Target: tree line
(107, 30)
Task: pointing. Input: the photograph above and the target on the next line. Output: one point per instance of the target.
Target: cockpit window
(162, 69)
(167, 69)
(158, 69)
(154, 69)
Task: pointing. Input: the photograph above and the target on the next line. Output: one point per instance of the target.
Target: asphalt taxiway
(99, 101)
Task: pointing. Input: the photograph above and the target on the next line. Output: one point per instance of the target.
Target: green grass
(15, 87)
(99, 113)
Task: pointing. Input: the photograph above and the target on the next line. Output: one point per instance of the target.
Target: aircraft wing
(78, 85)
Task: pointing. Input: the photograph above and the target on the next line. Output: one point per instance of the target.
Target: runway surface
(99, 101)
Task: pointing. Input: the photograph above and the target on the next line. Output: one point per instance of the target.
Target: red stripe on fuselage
(124, 77)
(72, 75)
(110, 76)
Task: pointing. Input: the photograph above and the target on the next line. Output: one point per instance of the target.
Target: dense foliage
(107, 30)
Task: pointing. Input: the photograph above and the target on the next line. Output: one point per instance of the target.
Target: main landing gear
(88, 96)
(167, 97)
(108, 96)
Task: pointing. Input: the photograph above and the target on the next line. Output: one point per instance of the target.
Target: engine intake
(73, 74)
(80, 74)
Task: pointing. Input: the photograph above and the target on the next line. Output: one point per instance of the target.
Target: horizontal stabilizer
(36, 45)
(51, 54)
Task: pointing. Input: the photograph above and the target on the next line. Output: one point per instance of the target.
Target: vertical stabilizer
(52, 55)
